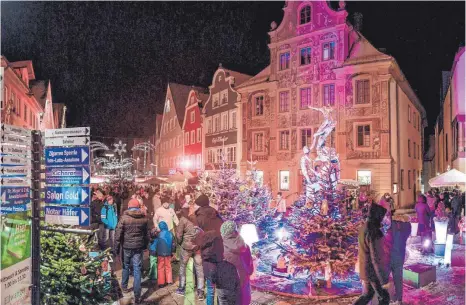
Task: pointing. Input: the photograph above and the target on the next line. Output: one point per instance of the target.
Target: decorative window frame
(279, 138)
(289, 100)
(192, 115)
(321, 92)
(298, 95)
(298, 14)
(305, 46)
(280, 52)
(355, 135)
(364, 76)
(299, 135)
(261, 94)
(233, 124)
(280, 178)
(254, 148)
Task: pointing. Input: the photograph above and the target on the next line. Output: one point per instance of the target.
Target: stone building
(25, 102)
(192, 128)
(221, 125)
(319, 59)
(450, 144)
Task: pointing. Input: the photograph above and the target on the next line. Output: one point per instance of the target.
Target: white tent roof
(451, 178)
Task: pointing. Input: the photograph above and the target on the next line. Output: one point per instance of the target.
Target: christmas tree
(240, 200)
(69, 275)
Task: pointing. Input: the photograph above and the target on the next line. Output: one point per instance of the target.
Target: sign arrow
(15, 150)
(15, 139)
(84, 155)
(83, 195)
(75, 141)
(63, 156)
(85, 174)
(83, 216)
(67, 132)
(15, 130)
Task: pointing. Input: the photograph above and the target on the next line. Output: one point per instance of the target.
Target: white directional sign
(67, 132)
(14, 150)
(9, 129)
(14, 170)
(15, 181)
(75, 141)
(14, 139)
(13, 160)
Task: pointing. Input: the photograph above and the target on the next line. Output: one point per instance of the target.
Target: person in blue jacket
(166, 247)
(109, 217)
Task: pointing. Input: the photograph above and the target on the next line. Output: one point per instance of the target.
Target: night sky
(110, 62)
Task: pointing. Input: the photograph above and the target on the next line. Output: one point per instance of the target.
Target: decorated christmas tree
(69, 274)
(241, 200)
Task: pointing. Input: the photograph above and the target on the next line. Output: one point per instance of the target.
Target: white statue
(325, 128)
(308, 173)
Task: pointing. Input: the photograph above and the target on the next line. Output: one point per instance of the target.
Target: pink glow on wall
(458, 83)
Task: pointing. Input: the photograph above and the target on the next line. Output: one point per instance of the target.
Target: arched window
(305, 15)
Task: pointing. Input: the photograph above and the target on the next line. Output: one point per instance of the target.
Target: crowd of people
(173, 226)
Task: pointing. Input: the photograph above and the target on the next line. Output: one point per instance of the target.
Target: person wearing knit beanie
(202, 201)
(227, 228)
(133, 203)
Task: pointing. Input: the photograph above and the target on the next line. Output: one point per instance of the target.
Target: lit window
(259, 105)
(231, 154)
(233, 119)
(305, 98)
(306, 138)
(215, 99)
(364, 177)
(329, 95)
(193, 117)
(284, 140)
(284, 61)
(193, 137)
(364, 135)
(224, 97)
(409, 148)
(328, 50)
(284, 104)
(284, 177)
(305, 15)
(219, 155)
(209, 125)
(305, 56)
(216, 124)
(258, 141)
(225, 121)
(199, 136)
(186, 138)
(362, 91)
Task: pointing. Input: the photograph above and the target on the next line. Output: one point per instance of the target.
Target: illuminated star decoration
(120, 148)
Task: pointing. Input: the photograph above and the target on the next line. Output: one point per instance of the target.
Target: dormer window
(305, 15)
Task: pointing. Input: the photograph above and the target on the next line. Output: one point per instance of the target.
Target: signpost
(67, 176)
(15, 207)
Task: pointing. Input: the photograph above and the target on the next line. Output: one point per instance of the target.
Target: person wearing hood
(132, 234)
(423, 216)
(165, 249)
(210, 242)
(109, 218)
(238, 253)
(371, 257)
(186, 232)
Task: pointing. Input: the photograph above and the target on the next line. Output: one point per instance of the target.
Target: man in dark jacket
(186, 232)
(210, 242)
(132, 234)
(398, 234)
(371, 257)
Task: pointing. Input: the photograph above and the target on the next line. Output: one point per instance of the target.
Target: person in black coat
(210, 242)
(371, 257)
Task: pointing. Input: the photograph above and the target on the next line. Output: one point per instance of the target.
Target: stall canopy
(155, 180)
(451, 178)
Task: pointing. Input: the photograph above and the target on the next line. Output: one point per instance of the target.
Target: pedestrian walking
(96, 220)
(186, 233)
(238, 253)
(109, 218)
(228, 284)
(132, 235)
(209, 240)
(165, 249)
(423, 216)
(371, 257)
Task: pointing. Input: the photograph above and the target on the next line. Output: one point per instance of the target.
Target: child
(165, 249)
(109, 217)
(153, 255)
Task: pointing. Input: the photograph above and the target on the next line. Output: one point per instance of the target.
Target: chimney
(358, 21)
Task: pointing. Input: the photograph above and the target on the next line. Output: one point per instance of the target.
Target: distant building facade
(450, 143)
(222, 125)
(192, 129)
(318, 59)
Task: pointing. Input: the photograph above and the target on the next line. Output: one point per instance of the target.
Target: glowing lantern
(441, 226)
(249, 233)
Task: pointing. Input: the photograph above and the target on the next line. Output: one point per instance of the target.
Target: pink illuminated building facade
(25, 101)
(450, 144)
(192, 128)
(319, 59)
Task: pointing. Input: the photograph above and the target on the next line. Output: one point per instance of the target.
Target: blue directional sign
(67, 216)
(78, 155)
(78, 195)
(15, 195)
(13, 208)
(67, 175)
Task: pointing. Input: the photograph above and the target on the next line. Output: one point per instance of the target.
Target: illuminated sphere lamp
(249, 234)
